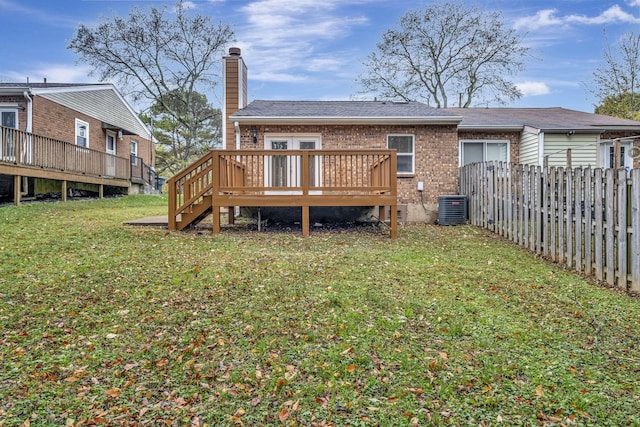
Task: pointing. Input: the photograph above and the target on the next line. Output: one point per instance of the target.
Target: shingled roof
(342, 112)
(546, 119)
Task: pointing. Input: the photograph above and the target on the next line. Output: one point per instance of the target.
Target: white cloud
(54, 73)
(549, 17)
(284, 39)
(533, 88)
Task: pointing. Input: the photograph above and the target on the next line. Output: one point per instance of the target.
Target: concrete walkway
(150, 221)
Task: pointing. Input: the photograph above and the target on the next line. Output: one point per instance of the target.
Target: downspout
(236, 125)
(29, 127)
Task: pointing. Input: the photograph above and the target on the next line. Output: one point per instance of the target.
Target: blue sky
(314, 49)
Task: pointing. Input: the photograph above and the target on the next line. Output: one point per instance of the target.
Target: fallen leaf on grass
(539, 391)
(114, 392)
(284, 415)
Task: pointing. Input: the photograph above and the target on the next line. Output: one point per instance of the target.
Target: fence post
(635, 231)
(622, 229)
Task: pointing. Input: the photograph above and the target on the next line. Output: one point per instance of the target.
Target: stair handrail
(173, 184)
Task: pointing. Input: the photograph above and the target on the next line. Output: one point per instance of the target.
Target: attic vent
(452, 210)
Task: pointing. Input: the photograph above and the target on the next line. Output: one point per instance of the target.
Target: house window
(82, 133)
(403, 144)
(473, 151)
(9, 117)
(134, 153)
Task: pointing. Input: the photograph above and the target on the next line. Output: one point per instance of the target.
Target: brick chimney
(235, 93)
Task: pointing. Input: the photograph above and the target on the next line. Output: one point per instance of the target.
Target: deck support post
(216, 218)
(393, 221)
(305, 220)
(101, 191)
(231, 214)
(17, 188)
(382, 213)
(63, 191)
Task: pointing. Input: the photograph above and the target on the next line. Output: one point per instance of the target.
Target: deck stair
(283, 178)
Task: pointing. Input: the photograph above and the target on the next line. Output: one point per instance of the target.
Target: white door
(607, 155)
(111, 154)
(283, 171)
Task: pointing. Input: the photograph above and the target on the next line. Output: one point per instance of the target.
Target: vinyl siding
(528, 148)
(583, 149)
(102, 104)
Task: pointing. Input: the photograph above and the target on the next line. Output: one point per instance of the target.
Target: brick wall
(436, 154)
(59, 122)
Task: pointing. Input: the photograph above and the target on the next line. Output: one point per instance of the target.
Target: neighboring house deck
(83, 135)
(283, 178)
(23, 154)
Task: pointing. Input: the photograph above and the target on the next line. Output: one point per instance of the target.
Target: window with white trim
(607, 150)
(404, 146)
(134, 152)
(473, 151)
(82, 133)
(9, 117)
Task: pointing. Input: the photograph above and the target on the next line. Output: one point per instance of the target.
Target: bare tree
(616, 83)
(154, 55)
(446, 53)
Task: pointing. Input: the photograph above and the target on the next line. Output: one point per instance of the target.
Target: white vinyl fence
(587, 219)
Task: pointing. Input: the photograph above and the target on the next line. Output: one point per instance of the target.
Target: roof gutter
(337, 120)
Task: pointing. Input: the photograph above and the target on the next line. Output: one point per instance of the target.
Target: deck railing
(21, 148)
(301, 178)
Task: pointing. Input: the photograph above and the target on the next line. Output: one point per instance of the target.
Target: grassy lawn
(105, 324)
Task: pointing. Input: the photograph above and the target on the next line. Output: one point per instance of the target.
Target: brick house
(94, 118)
(431, 143)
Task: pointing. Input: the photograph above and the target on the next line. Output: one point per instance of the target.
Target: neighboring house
(431, 143)
(529, 135)
(111, 146)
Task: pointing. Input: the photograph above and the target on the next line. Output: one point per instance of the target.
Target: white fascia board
(575, 130)
(336, 120)
(491, 127)
(67, 89)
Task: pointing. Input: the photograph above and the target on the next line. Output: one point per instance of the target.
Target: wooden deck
(23, 154)
(283, 178)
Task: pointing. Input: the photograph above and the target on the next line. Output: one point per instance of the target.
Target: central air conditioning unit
(452, 210)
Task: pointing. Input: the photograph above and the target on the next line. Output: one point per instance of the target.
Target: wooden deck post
(393, 176)
(231, 215)
(382, 213)
(215, 213)
(17, 188)
(63, 191)
(101, 191)
(305, 220)
(215, 191)
(393, 224)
